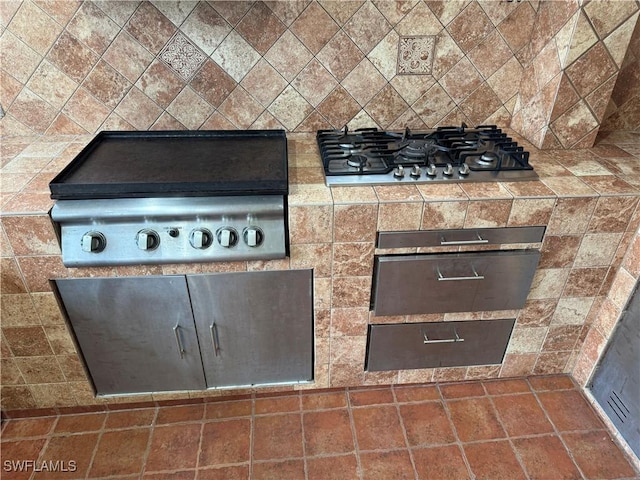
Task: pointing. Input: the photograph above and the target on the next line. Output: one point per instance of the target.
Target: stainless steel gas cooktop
(447, 154)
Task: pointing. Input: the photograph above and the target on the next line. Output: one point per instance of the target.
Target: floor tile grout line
(95, 447)
(404, 434)
(252, 435)
(555, 428)
(452, 425)
(200, 440)
(145, 456)
(508, 439)
(45, 445)
(304, 449)
(354, 436)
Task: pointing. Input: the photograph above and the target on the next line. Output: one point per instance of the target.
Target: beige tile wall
(547, 68)
(623, 111)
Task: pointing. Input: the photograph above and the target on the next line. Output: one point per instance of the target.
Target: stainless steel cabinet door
(254, 327)
(453, 282)
(136, 334)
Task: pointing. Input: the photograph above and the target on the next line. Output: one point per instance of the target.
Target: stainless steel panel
(441, 344)
(254, 327)
(389, 179)
(616, 381)
(452, 282)
(120, 220)
(136, 334)
(460, 237)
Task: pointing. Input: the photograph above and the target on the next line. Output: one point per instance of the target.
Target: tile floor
(535, 428)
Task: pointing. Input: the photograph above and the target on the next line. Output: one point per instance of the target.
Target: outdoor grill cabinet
(191, 332)
(493, 272)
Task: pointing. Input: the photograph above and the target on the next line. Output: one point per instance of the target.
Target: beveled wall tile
(206, 27)
(127, 56)
(597, 249)
(314, 27)
(310, 224)
(355, 223)
(605, 16)
(31, 235)
(34, 27)
(444, 215)
(531, 211)
(327, 52)
(93, 27)
(352, 259)
(399, 216)
(488, 213)
(18, 310)
(150, 27)
(585, 282)
(12, 280)
(547, 282)
(572, 311)
(470, 27)
(571, 216)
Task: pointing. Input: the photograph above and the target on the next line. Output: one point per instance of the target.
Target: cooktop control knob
(448, 170)
(147, 239)
(464, 169)
(253, 236)
(416, 171)
(93, 242)
(227, 237)
(398, 172)
(431, 170)
(200, 238)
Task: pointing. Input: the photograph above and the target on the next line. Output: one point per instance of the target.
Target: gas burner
(488, 158)
(357, 161)
(447, 154)
(417, 150)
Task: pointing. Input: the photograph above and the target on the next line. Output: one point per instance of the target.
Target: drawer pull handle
(214, 338)
(477, 241)
(456, 339)
(442, 278)
(176, 332)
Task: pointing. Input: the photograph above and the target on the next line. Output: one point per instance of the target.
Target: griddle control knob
(93, 242)
(464, 169)
(416, 171)
(253, 236)
(431, 170)
(398, 172)
(227, 237)
(147, 239)
(200, 238)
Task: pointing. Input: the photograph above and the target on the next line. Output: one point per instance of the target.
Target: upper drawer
(452, 282)
(472, 236)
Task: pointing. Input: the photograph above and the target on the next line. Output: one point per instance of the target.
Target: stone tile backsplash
(547, 69)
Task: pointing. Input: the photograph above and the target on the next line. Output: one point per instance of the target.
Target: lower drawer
(442, 344)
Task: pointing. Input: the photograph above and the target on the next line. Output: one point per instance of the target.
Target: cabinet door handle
(442, 278)
(213, 328)
(477, 241)
(456, 338)
(176, 332)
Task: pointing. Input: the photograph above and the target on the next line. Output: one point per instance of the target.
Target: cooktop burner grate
(372, 156)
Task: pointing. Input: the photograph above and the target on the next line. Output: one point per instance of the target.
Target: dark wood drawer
(452, 282)
(441, 344)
